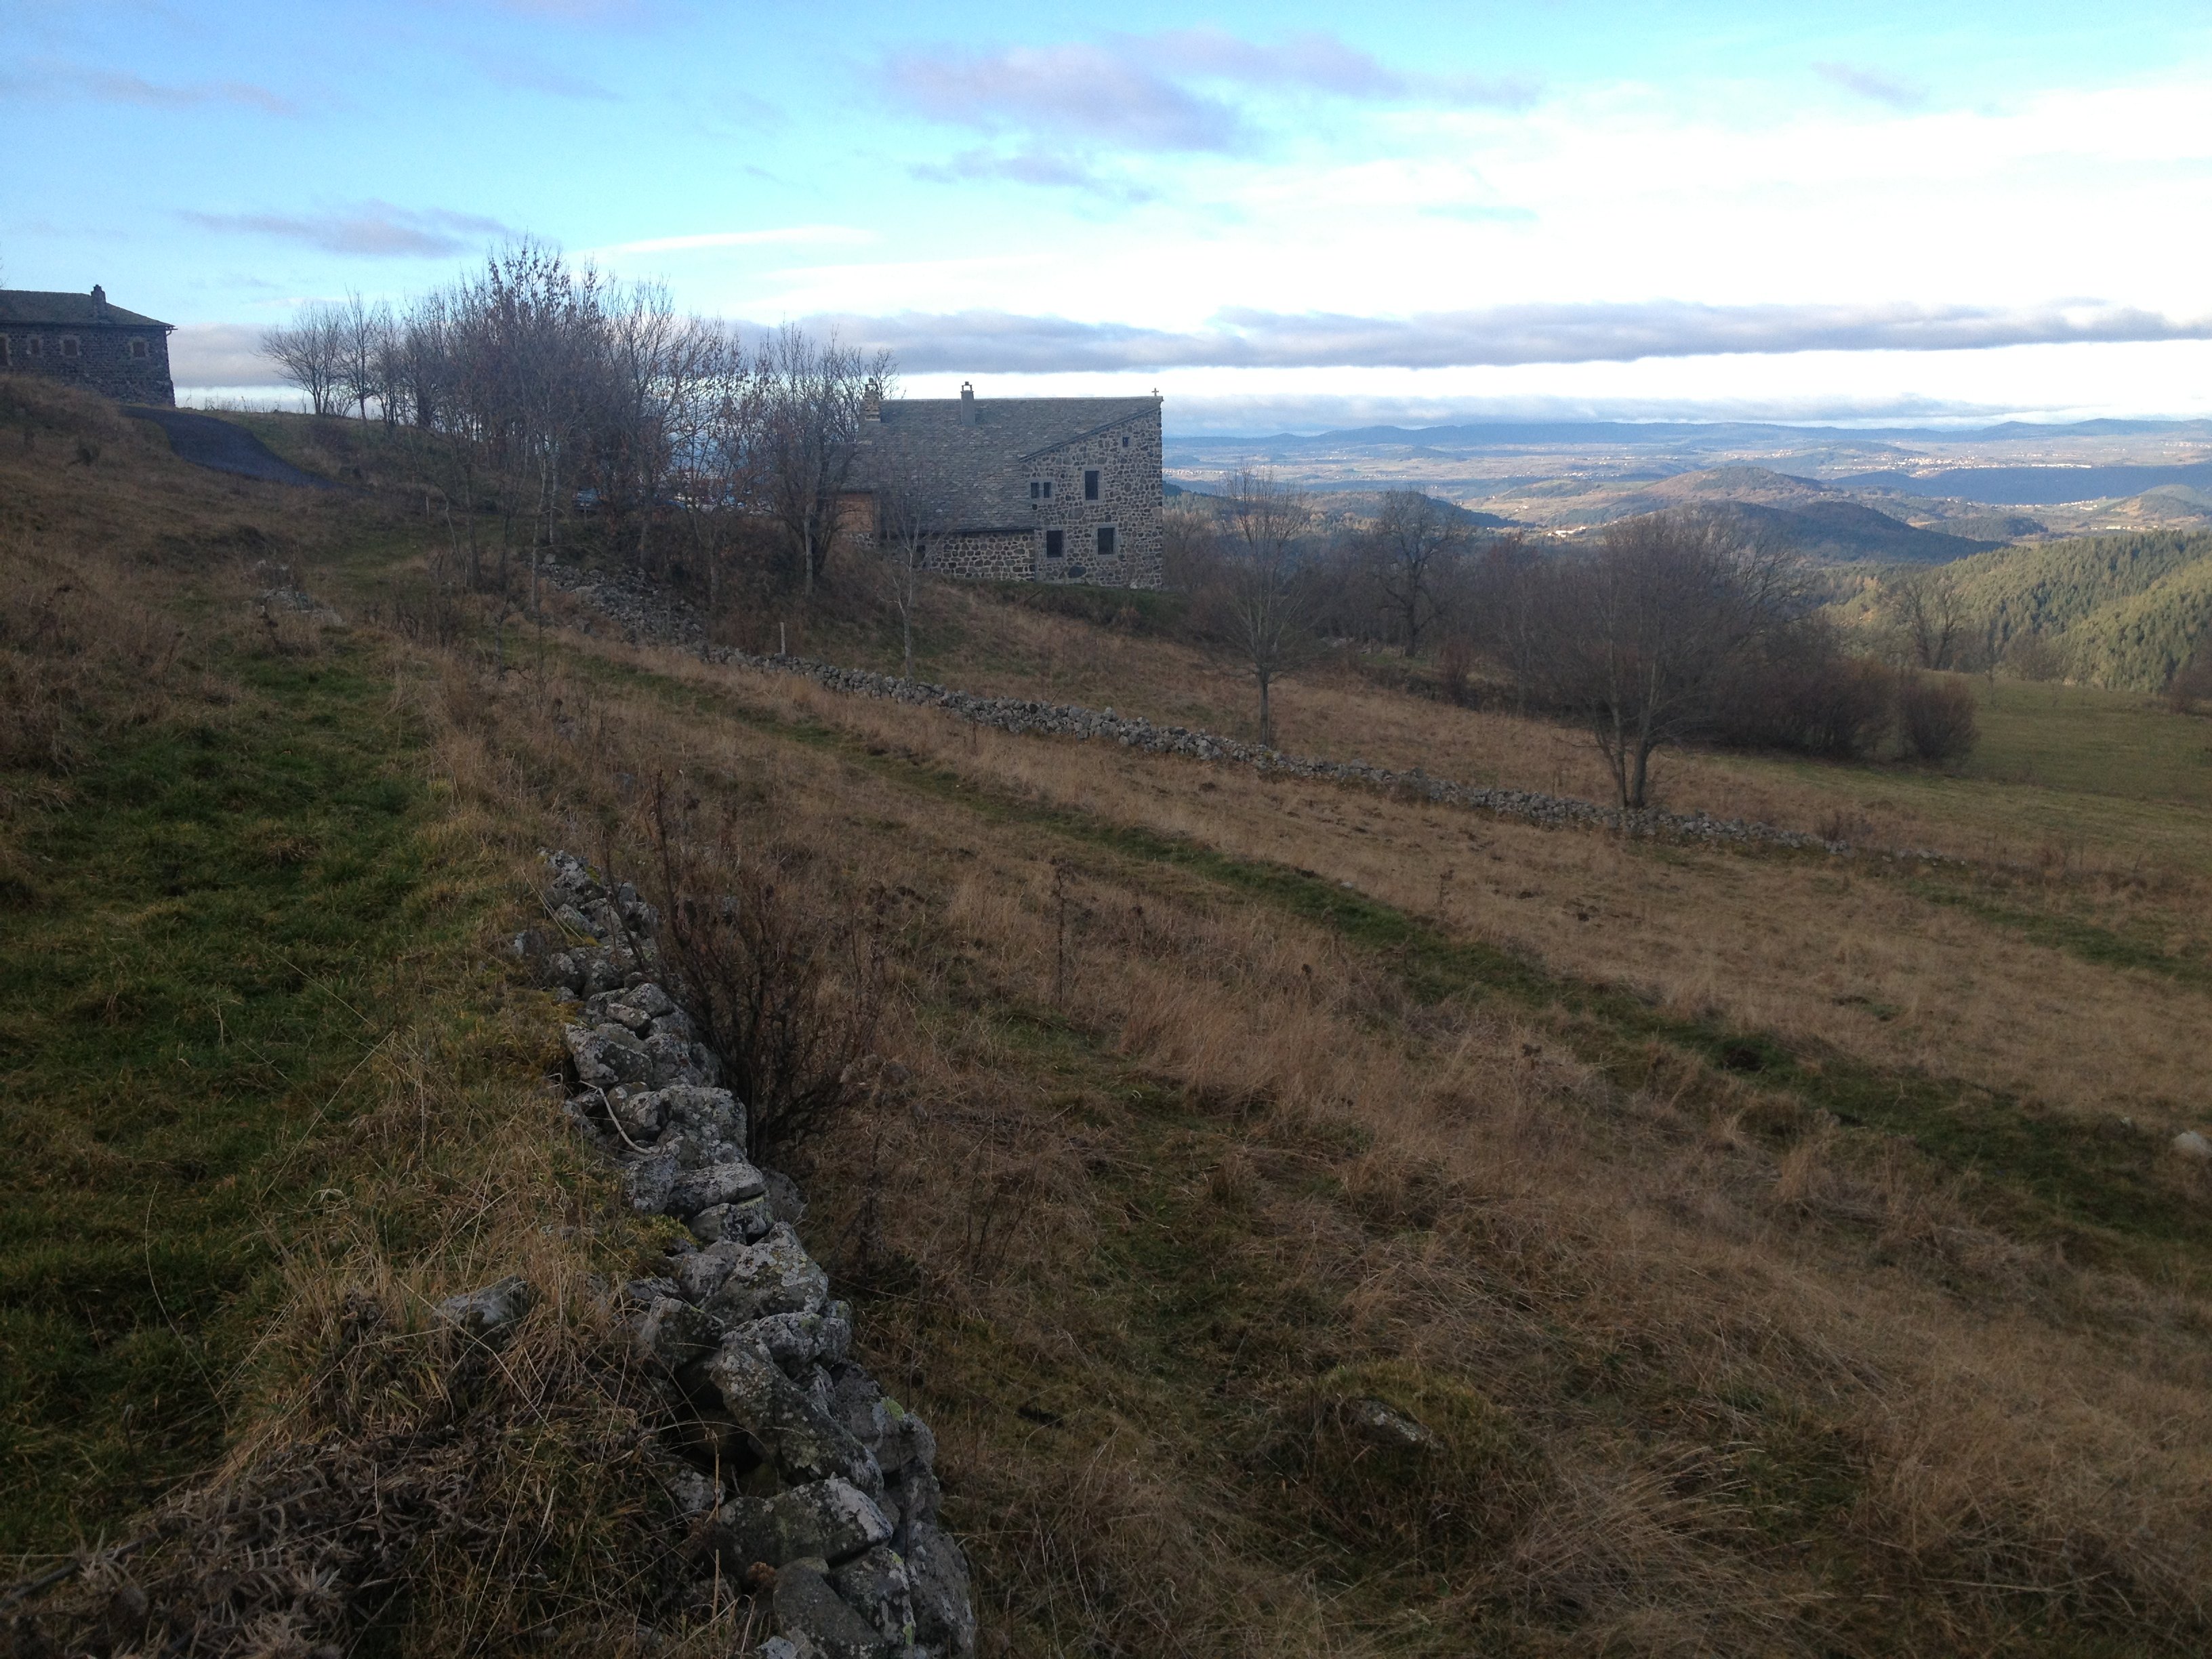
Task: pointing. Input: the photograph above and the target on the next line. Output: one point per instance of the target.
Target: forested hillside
(2128, 610)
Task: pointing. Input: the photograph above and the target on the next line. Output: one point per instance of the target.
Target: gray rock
(648, 1183)
(899, 1438)
(798, 1341)
(706, 1112)
(777, 1647)
(1386, 1426)
(803, 1441)
(692, 1492)
(487, 1315)
(728, 1180)
(832, 1520)
(668, 1058)
(817, 1621)
(649, 999)
(701, 1272)
(772, 1277)
(874, 1585)
(676, 1334)
(943, 1615)
(2190, 1144)
(745, 1221)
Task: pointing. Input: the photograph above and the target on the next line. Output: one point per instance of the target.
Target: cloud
(1003, 343)
(1091, 92)
(373, 229)
(1874, 85)
(782, 235)
(1313, 61)
(203, 354)
(1028, 166)
(114, 87)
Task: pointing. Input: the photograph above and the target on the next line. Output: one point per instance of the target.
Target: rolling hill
(2128, 610)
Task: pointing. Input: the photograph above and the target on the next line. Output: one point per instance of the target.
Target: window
(36, 346)
(5, 359)
(1035, 489)
(1125, 443)
(1091, 485)
(68, 345)
(1105, 541)
(1056, 544)
(1048, 489)
(138, 347)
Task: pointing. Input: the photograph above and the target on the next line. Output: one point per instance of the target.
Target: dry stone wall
(801, 1478)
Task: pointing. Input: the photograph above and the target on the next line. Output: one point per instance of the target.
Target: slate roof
(978, 476)
(29, 306)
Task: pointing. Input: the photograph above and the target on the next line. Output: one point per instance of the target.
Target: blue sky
(1282, 215)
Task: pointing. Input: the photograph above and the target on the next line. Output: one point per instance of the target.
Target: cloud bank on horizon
(1859, 211)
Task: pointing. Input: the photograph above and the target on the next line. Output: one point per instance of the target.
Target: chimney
(967, 404)
(99, 300)
(872, 406)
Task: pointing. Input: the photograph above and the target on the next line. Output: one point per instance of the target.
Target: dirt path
(204, 440)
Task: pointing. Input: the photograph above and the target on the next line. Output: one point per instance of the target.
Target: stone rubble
(801, 1474)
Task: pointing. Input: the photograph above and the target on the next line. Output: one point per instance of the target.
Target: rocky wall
(798, 1477)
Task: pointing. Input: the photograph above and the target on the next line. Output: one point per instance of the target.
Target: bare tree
(1930, 617)
(307, 354)
(1264, 594)
(1412, 542)
(812, 394)
(1639, 635)
(362, 331)
(910, 514)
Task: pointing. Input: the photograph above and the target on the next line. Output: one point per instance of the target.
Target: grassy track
(229, 911)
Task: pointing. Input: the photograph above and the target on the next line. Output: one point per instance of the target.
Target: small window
(1048, 489)
(139, 348)
(68, 345)
(1037, 490)
(1125, 443)
(36, 346)
(1091, 485)
(1056, 544)
(1105, 541)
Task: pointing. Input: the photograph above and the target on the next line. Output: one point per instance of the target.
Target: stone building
(1048, 490)
(82, 337)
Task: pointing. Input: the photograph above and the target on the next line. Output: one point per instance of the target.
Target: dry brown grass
(1746, 1410)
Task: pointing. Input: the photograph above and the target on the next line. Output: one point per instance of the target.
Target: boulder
(745, 1221)
(804, 1442)
(487, 1315)
(874, 1585)
(676, 1334)
(772, 1277)
(783, 1195)
(831, 1520)
(797, 1341)
(728, 1180)
(944, 1617)
(812, 1617)
(2190, 1144)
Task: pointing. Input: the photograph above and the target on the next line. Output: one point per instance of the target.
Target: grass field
(1784, 1252)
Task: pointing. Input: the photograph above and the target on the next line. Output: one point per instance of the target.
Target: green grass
(223, 912)
(2083, 740)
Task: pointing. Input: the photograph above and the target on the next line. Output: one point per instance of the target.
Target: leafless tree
(1412, 542)
(307, 354)
(1931, 619)
(363, 331)
(812, 394)
(1264, 594)
(1639, 635)
(910, 514)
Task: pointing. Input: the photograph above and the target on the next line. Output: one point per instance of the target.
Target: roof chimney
(872, 405)
(99, 300)
(967, 404)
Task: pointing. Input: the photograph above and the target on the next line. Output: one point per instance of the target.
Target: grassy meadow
(1784, 1251)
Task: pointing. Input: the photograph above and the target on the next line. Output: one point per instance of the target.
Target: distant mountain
(1514, 434)
(2031, 486)
(1809, 517)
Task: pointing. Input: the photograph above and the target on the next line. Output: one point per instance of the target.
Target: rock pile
(802, 1477)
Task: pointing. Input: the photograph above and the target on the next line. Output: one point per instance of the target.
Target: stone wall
(1011, 557)
(1127, 458)
(103, 362)
(799, 1478)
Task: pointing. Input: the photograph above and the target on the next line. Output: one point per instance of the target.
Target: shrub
(2191, 684)
(1935, 718)
(784, 976)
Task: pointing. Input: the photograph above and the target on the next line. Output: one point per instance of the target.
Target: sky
(1287, 216)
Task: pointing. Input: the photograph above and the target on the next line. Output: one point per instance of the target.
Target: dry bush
(1935, 718)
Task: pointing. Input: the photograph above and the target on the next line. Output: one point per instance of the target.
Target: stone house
(1048, 490)
(82, 337)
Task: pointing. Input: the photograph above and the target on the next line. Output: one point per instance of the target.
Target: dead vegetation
(1314, 1223)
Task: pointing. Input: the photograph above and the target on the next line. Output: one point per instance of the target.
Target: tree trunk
(1266, 715)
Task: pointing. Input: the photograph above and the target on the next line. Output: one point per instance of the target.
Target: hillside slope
(2128, 609)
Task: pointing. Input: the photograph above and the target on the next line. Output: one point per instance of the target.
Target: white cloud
(371, 229)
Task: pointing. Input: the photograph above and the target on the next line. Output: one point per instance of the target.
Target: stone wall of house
(1008, 556)
(1128, 459)
(103, 361)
